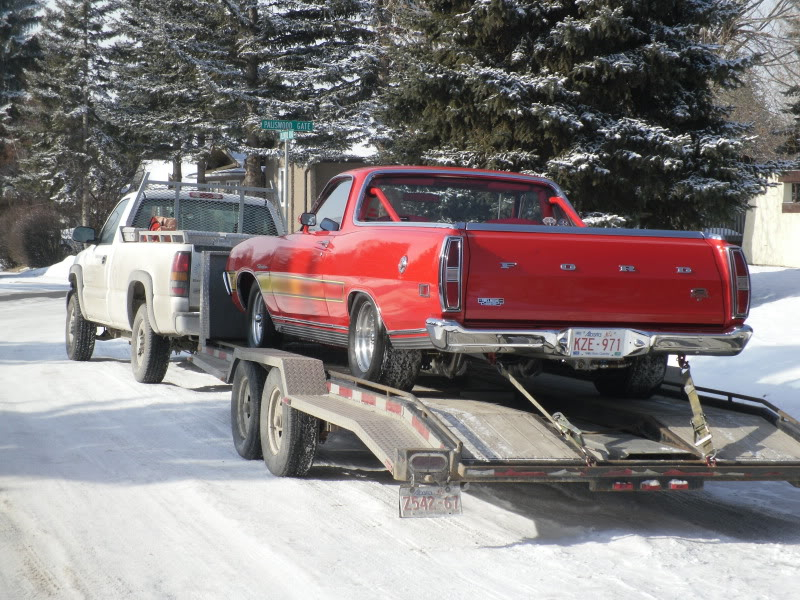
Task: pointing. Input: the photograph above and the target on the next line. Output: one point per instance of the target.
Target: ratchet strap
(571, 433)
(702, 432)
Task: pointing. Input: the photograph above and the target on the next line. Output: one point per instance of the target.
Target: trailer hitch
(568, 431)
(702, 432)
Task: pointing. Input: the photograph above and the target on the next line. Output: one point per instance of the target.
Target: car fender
(140, 289)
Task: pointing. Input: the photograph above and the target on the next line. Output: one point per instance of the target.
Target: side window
(112, 223)
(333, 203)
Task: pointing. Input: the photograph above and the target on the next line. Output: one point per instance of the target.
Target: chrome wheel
(275, 421)
(366, 333)
(257, 322)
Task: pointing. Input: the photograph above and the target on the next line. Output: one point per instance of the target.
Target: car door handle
(323, 243)
(103, 259)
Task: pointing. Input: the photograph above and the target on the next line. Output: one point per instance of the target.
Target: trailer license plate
(430, 500)
(599, 343)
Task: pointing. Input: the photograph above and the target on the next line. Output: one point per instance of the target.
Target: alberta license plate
(598, 343)
(430, 500)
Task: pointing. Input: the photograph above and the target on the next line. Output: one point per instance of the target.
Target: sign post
(286, 129)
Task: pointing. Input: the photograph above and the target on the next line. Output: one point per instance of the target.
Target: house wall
(772, 228)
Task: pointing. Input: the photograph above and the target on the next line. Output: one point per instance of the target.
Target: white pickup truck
(140, 275)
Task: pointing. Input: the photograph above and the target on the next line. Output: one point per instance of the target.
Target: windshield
(457, 199)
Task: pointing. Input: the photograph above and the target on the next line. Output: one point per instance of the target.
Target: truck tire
(149, 351)
(261, 332)
(370, 354)
(640, 380)
(248, 385)
(289, 437)
(80, 333)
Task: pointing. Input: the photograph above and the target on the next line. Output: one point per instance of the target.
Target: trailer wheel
(80, 333)
(261, 332)
(288, 437)
(248, 385)
(149, 351)
(370, 354)
(640, 380)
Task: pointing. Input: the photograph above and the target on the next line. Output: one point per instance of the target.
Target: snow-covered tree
(791, 144)
(18, 51)
(207, 72)
(76, 158)
(614, 99)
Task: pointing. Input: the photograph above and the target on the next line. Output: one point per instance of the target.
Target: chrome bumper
(451, 336)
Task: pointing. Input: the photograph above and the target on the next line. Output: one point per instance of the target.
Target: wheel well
(353, 298)
(136, 297)
(244, 285)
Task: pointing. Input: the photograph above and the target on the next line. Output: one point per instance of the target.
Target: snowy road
(114, 489)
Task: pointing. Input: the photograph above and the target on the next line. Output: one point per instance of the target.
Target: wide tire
(80, 333)
(289, 437)
(261, 332)
(248, 385)
(149, 351)
(641, 380)
(370, 354)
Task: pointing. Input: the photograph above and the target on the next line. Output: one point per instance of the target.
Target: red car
(412, 267)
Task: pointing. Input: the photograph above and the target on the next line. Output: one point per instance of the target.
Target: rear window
(448, 199)
(208, 215)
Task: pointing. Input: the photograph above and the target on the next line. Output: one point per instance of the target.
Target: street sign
(287, 125)
(287, 135)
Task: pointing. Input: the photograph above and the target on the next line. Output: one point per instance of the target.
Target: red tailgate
(548, 275)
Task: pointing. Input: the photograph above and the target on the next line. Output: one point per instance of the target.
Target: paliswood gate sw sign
(287, 125)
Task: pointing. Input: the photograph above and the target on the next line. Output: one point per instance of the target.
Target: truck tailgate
(587, 276)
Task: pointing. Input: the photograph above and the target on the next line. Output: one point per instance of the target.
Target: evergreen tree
(791, 145)
(76, 157)
(18, 51)
(207, 72)
(613, 99)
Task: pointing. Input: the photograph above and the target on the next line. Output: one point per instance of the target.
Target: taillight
(450, 269)
(740, 283)
(180, 274)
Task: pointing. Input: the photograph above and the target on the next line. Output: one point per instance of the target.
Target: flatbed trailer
(551, 429)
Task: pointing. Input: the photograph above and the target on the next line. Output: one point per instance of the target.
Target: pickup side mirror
(308, 219)
(329, 225)
(84, 235)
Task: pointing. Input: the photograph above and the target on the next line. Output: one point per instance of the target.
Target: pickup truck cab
(412, 267)
(139, 275)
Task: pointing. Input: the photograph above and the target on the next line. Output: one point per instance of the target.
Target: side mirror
(329, 225)
(308, 219)
(84, 235)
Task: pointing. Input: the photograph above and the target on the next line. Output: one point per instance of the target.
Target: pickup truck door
(298, 279)
(97, 267)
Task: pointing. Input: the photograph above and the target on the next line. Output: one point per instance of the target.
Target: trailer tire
(261, 332)
(248, 385)
(149, 351)
(370, 353)
(640, 380)
(80, 334)
(289, 437)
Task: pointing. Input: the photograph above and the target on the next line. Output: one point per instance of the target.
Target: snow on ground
(110, 488)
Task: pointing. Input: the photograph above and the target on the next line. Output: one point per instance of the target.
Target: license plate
(599, 343)
(430, 500)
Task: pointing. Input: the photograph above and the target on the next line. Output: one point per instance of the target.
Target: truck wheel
(80, 333)
(640, 380)
(248, 384)
(288, 437)
(371, 355)
(261, 332)
(149, 351)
